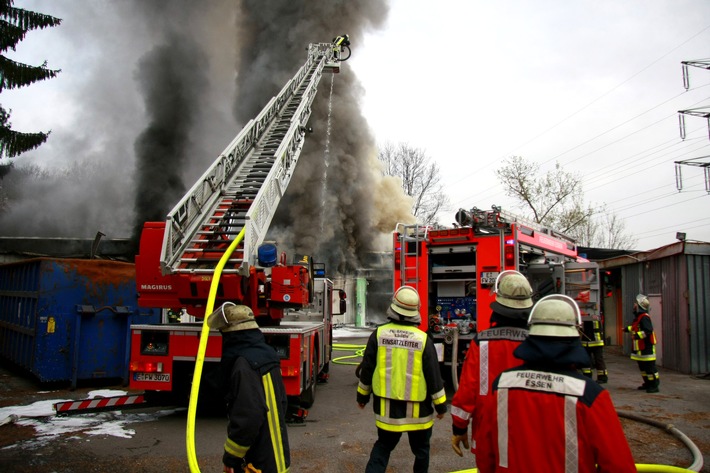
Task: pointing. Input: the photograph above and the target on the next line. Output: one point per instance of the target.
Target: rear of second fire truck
(454, 271)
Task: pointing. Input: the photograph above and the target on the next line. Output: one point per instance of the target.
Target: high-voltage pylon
(703, 112)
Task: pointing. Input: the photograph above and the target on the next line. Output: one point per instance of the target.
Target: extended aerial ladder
(240, 191)
(225, 216)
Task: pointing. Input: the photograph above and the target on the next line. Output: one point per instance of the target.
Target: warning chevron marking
(103, 403)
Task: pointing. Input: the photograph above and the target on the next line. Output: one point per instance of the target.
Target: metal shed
(676, 278)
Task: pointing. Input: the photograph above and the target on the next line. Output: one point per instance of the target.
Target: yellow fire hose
(200, 360)
(358, 349)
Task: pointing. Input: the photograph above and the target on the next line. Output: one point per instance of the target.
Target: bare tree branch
(420, 179)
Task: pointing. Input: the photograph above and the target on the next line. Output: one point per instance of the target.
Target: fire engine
(237, 197)
(454, 271)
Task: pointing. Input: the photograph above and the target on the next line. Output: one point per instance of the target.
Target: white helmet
(555, 315)
(405, 305)
(513, 290)
(643, 302)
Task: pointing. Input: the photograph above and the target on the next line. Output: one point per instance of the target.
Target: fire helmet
(405, 305)
(643, 302)
(555, 315)
(231, 317)
(513, 290)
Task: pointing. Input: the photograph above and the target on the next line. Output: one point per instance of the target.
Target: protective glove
(251, 469)
(456, 442)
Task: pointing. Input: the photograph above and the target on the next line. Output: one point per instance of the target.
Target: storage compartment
(453, 263)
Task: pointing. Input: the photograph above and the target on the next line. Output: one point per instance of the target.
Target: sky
(592, 85)
(595, 86)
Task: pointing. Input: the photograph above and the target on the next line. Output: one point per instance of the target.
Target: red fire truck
(454, 271)
(236, 198)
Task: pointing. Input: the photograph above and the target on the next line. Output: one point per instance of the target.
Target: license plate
(159, 377)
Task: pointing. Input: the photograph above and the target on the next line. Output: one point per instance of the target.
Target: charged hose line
(200, 360)
(358, 349)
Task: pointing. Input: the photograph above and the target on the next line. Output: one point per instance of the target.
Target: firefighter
(490, 352)
(643, 344)
(545, 415)
(593, 342)
(401, 370)
(257, 440)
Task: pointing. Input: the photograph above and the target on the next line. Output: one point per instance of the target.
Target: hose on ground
(697, 464)
(341, 360)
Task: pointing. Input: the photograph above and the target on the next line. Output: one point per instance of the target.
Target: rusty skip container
(69, 319)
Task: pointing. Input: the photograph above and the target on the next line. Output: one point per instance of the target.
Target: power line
(490, 163)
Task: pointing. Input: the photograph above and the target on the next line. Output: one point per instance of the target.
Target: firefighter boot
(646, 383)
(602, 379)
(653, 385)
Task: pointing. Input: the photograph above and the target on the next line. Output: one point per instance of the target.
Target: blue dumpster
(69, 319)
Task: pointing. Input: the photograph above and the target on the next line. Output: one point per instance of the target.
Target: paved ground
(336, 438)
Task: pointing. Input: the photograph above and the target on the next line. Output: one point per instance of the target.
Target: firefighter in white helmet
(401, 370)
(643, 349)
(489, 354)
(545, 415)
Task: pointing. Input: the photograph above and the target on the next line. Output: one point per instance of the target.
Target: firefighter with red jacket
(545, 415)
(643, 344)
(257, 441)
(401, 370)
(490, 353)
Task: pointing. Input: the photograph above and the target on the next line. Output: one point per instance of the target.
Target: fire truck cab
(454, 271)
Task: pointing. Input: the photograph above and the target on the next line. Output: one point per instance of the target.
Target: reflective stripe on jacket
(399, 363)
(593, 333)
(643, 338)
(257, 427)
(489, 355)
(417, 372)
(559, 422)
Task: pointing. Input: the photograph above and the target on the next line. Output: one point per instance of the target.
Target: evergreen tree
(14, 25)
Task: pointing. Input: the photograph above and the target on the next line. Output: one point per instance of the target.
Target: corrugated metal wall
(631, 284)
(699, 312)
(683, 282)
(668, 277)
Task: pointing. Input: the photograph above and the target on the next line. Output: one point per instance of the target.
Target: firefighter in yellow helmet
(643, 340)
(401, 371)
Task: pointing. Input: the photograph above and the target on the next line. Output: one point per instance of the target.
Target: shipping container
(69, 319)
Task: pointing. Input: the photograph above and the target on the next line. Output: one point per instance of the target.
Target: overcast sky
(594, 85)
